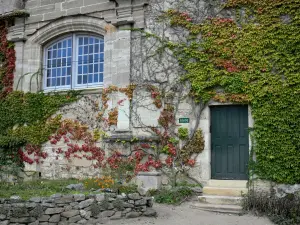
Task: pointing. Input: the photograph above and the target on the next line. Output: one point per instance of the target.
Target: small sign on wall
(184, 120)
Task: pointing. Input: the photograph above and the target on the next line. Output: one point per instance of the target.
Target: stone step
(228, 209)
(228, 183)
(224, 191)
(220, 200)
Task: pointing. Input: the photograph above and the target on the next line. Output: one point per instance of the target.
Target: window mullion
(74, 61)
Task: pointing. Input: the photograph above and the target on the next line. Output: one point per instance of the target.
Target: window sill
(91, 90)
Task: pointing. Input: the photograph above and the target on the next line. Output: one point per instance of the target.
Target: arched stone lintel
(68, 25)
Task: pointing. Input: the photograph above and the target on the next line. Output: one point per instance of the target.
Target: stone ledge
(149, 174)
(13, 14)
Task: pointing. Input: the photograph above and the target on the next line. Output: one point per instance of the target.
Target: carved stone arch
(68, 25)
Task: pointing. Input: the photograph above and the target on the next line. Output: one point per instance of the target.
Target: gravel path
(184, 215)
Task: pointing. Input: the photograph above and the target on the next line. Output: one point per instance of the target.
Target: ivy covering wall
(252, 58)
(25, 118)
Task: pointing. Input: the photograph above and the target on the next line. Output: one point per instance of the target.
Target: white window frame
(74, 64)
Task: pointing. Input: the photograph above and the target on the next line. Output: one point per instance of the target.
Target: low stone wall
(74, 209)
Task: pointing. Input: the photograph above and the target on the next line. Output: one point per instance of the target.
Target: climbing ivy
(252, 58)
(26, 119)
(7, 61)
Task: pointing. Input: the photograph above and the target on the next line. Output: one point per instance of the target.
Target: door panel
(229, 140)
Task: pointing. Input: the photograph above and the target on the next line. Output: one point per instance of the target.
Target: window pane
(91, 58)
(97, 48)
(69, 52)
(80, 41)
(90, 68)
(85, 70)
(53, 82)
(58, 62)
(48, 73)
(69, 61)
(58, 58)
(58, 81)
(101, 77)
(96, 68)
(84, 80)
(96, 77)
(70, 42)
(90, 78)
(85, 59)
(79, 69)
(68, 80)
(63, 71)
(86, 50)
(53, 73)
(91, 49)
(79, 80)
(91, 41)
(80, 51)
(58, 72)
(63, 81)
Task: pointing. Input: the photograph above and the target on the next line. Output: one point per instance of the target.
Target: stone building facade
(112, 22)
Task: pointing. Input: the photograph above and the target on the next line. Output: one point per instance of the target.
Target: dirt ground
(184, 215)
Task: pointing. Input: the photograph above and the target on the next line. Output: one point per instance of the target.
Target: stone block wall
(8, 6)
(116, 11)
(74, 209)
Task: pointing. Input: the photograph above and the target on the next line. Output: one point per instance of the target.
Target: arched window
(74, 62)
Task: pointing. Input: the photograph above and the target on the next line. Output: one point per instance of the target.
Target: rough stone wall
(74, 209)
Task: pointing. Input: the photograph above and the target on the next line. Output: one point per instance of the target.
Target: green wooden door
(229, 142)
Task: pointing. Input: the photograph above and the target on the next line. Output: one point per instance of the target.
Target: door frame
(250, 124)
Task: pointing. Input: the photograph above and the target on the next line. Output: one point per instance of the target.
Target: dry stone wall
(74, 209)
